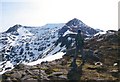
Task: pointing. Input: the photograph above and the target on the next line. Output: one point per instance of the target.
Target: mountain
(75, 24)
(103, 47)
(25, 44)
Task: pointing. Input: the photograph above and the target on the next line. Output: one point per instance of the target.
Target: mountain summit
(14, 28)
(75, 24)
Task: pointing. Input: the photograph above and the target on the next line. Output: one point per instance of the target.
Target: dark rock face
(74, 22)
(7, 68)
(63, 30)
(13, 29)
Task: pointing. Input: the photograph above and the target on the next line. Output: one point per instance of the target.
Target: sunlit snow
(48, 58)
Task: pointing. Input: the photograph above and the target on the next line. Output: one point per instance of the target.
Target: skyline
(101, 14)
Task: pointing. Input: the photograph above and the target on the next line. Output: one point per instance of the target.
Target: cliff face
(101, 64)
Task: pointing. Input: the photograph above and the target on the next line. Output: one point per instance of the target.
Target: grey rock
(17, 74)
(63, 77)
(57, 73)
(26, 77)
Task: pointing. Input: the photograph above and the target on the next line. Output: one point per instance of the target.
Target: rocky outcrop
(14, 28)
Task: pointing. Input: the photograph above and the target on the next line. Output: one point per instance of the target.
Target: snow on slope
(28, 44)
(68, 32)
(8, 66)
(48, 58)
(100, 33)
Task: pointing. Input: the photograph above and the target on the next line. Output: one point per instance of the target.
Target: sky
(102, 14)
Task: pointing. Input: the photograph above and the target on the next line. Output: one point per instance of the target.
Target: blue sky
(102, 14)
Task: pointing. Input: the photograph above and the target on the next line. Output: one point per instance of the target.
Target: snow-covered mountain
(24, 44)
(75, 24)
(68, 32)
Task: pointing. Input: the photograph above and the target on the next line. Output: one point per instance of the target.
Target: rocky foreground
(102, 66)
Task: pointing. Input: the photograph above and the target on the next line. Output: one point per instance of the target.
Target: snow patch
(99, 33)
(7, 65)
(48, 58)
(69, 32)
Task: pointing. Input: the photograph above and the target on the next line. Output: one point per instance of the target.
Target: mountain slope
(25, 44)
(104, 46)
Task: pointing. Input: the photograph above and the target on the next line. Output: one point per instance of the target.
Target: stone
(26, 77)
(17, 75)
(62, 77)
(57, 73)
(1, 69)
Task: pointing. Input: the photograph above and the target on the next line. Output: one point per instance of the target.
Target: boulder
(57, 73)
